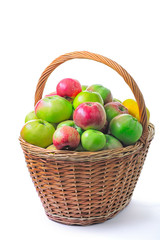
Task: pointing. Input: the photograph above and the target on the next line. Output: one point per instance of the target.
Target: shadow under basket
(83, 188)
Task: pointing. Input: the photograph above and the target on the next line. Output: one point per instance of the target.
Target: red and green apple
(53, 109)
(66, 137)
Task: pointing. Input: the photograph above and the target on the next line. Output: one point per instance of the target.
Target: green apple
(87, 97)
(112, 142)
(126, 128)
(70, 123)
(103, 91)
(117, 100)
(53, 109)
(93, 140)
(84, 87)
(30, 116)
(51, 147)
(38, 132)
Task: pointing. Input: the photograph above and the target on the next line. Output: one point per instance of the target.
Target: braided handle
(115, 66)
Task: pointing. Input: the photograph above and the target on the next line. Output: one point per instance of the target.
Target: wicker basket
(87, 187)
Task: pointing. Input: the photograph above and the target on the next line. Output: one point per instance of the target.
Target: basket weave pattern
(87, 187)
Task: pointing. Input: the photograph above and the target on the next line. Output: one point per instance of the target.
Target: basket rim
(86, 156)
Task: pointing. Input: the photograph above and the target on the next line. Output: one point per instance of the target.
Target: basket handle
(115, 66)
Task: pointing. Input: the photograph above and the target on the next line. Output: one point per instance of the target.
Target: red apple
(114, 109)
(90, 115)
(68, 87)
(66, 137)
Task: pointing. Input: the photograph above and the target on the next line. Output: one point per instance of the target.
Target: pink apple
(90, 115)
(68, 87)
(66, 137)
(114, 109)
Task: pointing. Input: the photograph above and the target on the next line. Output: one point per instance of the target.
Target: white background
(32, 34)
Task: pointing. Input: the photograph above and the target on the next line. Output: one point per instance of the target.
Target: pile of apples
(80, 118)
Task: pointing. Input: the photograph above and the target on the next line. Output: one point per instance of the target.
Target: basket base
(85, 221)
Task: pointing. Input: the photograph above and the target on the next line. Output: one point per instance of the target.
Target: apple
(66, 137)
(90, 115)
(68, 87)
(87, 97)
(70, 123)
(53, 109)
(116, 100)
(30, 116)
(84, 87)
(126, 128)
(93, 140)
(113, 109)
(38, 132)
(103, 91)
(112, 142)
(55, 93)
(51, 147)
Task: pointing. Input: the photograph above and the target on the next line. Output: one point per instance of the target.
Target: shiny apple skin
(53, 109)
(103, 91)
(87, 97)
(90, 115)
(114, 109)
(68, 87)
(38, 132)
(126, 129)
(93, 140)
(70, 123)
(30, 116)
(66, 137)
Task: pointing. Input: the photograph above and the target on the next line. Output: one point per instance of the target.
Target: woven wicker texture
(87, 187)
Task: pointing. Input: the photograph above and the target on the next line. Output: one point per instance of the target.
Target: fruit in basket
(133, 109)
(113, 109)
(84, 87)
(30, 116)
(70, 123)
(66, 137)
(51, 147)
(68, 87)
(87, 97)
(53, 109)
(90, 115)
(112, 142)
(38, 132)
(93, 140)
(103, 91)
(126, 128)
